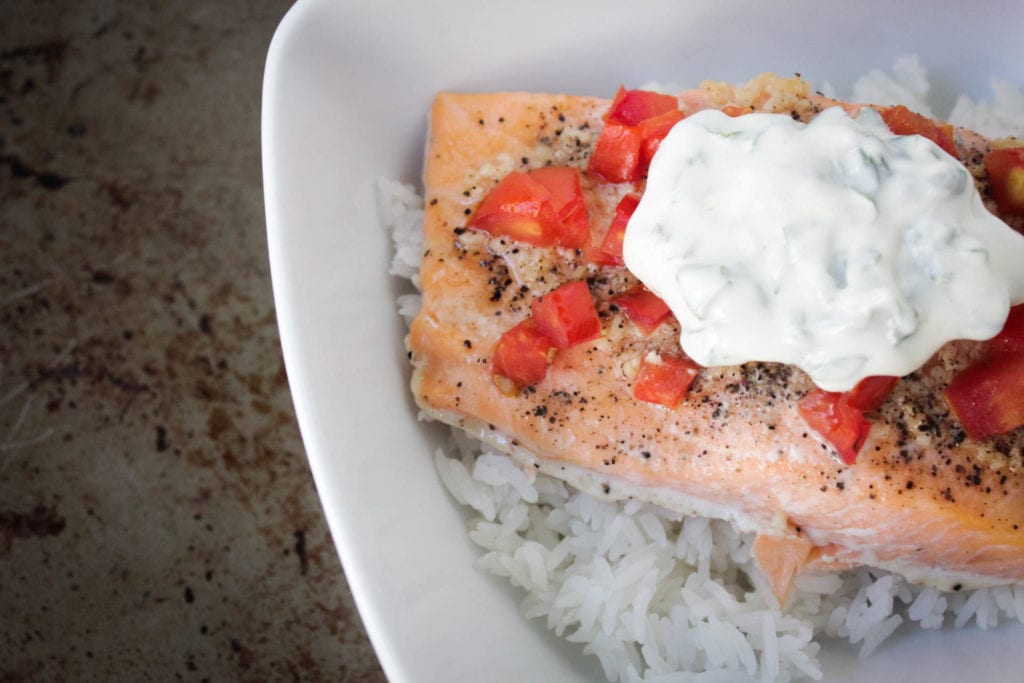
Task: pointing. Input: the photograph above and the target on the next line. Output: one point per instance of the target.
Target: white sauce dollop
(835, 246)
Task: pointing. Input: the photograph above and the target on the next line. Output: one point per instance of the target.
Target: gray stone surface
(157, 515)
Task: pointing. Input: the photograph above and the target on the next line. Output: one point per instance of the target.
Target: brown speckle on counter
(300, 550)
(38, 522)
(151, 470)
(161, 438)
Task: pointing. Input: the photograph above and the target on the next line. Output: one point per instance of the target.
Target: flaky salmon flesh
(922, 498)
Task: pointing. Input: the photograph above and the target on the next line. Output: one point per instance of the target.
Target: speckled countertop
(157, 515)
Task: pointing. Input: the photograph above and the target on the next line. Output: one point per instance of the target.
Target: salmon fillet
(922, 499)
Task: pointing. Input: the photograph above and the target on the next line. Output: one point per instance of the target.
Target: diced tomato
(544, 207)
(518, 207)
(988, 398)
(664, 379)
(643, 307)
(871, 392)
(653, 131)
(734, 110)
(1010, 339)
(563, 182)
(1005, 169)
(630, 107)
(636, 123)
(838, 417)
(616, 156)
(902, 121)
(836, 421)
(522, 356)
(610, 251)
(567, 315)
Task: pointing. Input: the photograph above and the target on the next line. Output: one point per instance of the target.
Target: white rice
(663, 598)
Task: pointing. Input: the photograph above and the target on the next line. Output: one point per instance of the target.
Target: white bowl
(347, 89)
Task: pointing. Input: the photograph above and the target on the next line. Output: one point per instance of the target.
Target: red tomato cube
(636, 123)
(835, 421)
(616, 156)
(653, 131)
(902, 121)
(988, 398)
(664, 379)
(518, 207)
(871, 392)
(644, 308)
(1010, 339)
(630, 107)
(1005, 169)
(610, 251)
(567, 316)
(522, 355)
(563, 182)
(544, 207)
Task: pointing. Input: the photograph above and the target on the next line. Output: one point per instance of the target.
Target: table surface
(157, 514)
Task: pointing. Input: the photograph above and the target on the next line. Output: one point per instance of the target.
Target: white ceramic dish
(347, 88)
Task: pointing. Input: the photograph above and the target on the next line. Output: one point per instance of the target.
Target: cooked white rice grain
(907, 85)
(1002, 117)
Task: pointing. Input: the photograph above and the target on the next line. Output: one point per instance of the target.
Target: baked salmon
(922, 498)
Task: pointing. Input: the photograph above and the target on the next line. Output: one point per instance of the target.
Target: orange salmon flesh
(922, 498)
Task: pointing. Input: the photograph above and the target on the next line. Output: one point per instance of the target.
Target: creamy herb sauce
(834, 246)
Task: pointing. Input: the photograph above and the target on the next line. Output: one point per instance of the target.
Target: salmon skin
(922, 498)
